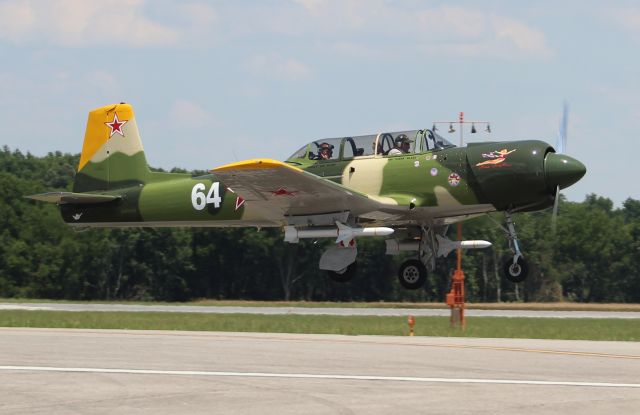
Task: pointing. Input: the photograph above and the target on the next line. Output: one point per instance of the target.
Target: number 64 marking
(200, 201)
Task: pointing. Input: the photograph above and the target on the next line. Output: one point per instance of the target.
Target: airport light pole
(455, 298)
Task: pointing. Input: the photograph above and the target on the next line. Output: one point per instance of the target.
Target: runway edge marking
(319, 376)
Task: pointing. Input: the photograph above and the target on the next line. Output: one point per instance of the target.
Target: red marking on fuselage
(239, 202)
(283, 192)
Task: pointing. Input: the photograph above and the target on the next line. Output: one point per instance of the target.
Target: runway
(160, 372)
(332, 311)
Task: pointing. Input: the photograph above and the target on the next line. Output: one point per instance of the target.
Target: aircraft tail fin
(112, 155)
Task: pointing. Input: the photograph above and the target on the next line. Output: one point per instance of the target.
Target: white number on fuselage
(200, 201)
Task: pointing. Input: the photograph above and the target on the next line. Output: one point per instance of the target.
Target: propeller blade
(561, 144)
(554, 214)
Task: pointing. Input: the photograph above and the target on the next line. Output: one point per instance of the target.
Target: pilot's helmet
(402, 139)
(326, 148)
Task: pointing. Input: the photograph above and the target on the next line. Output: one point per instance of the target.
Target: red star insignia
(283, 192)
(116, 125)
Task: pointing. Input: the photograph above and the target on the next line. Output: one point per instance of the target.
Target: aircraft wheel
(412, 274)
(517, 272)
(344, 275)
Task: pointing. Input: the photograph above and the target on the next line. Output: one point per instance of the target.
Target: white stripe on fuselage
(367, 178)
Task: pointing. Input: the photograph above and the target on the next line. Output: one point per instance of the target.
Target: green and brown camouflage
(433, 182)
(516, 176)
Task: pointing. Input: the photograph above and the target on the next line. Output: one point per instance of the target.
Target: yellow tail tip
(103, 123)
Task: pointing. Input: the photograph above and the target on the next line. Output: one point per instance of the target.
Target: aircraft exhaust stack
(342, 233)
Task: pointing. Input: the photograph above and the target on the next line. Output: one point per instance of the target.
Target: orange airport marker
(412, 322)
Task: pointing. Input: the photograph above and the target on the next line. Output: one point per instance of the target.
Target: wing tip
(253, 164)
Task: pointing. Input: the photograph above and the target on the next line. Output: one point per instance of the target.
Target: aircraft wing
(280, 190)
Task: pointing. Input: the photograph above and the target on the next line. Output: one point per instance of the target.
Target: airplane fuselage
(409, 184)
(419, 187)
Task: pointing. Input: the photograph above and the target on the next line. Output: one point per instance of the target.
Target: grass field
(497, 327)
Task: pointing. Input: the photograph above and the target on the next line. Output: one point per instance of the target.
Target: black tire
(517, 272)
(412, 274)
(344, 275)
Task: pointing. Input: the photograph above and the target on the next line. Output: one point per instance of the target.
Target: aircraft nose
(562, 170)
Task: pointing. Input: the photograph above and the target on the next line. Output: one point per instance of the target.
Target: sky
(214, 82)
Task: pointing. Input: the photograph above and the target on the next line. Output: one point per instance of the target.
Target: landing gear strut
(515, 269)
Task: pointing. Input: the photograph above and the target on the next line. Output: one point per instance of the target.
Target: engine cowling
(520, 175)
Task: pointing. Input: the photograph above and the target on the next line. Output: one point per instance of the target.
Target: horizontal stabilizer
(74, 198)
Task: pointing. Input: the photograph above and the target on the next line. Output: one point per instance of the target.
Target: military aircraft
(409, 184)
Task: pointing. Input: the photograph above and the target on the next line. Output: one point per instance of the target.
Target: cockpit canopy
(376, 145)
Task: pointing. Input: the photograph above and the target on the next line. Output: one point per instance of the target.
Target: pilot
(325, 151)
(402, 145)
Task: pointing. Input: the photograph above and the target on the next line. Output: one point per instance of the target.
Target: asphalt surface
(315, 310)
(154, 372)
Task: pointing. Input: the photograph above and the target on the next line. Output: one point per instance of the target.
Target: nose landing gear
(515, 269)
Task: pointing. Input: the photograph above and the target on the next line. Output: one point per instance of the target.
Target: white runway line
(312, 376)
(389, 312)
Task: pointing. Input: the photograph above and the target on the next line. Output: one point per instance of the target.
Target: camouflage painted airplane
(411, 184)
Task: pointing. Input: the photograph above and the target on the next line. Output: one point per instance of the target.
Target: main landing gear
(339, 261)
(430, 243)
(412, 274)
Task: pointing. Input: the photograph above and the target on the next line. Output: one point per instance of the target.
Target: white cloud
(311, 5)
(187, 114)
(523, 37)
(376, 25)
(279, 67)
(124, 23)
(76, 22)
(199, 13)
(16, 20)
(627, 18)
(371, 27)
(105, 82)
(451, 21)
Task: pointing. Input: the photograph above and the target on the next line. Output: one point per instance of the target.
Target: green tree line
(592, 257)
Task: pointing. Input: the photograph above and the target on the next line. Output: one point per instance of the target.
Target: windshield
(363, 145)
(300, 154)
(325, 149)
(427, 140)
(438, 140)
